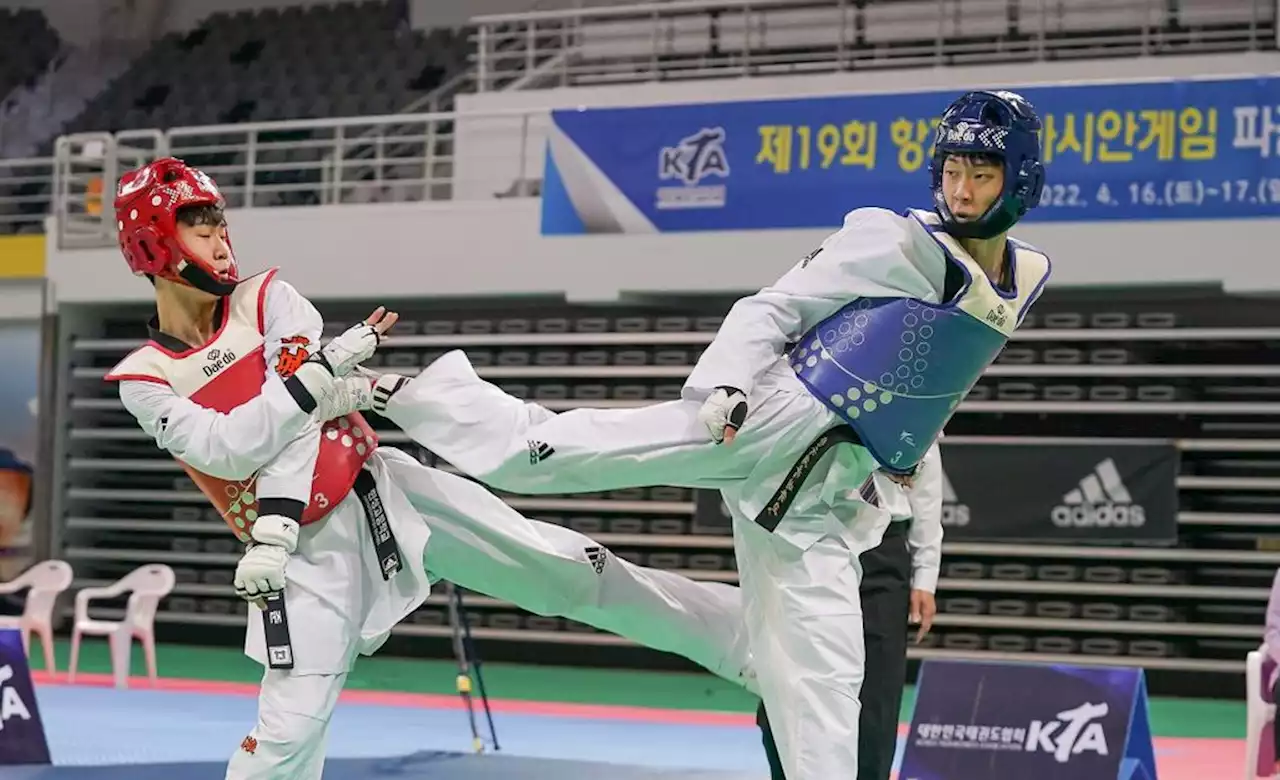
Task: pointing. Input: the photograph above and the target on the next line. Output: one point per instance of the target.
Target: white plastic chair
(43, 582)
(146, 586)
(1260, 717)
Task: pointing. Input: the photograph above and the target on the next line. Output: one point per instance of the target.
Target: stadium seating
(323, 60)
(28, 44)
(346, 59)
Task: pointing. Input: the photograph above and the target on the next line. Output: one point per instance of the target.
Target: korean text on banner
(1203, 149)
(989, 721)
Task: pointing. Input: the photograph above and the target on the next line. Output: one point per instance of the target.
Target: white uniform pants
(799, 583)
(288, 743)
(480, 543)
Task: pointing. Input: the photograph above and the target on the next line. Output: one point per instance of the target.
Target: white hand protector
(384, 387)
(314, 379)
(348, 350)
(726, 408)
(346, 395)
(261, 570)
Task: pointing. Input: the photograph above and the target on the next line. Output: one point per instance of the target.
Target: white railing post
(429, 159)
(524, 155)
(531, 47)
(250, 168)
(339, 162)
(482, 58)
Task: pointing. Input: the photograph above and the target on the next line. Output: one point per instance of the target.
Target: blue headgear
(1001, 124)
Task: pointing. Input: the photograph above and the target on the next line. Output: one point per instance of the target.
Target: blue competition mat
(429, 765)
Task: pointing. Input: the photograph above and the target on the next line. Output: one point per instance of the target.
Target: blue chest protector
(895, 369)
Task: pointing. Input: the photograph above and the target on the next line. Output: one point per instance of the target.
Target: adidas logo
(954, 513)
(539, 451)
(597, 556)
(1101, 501)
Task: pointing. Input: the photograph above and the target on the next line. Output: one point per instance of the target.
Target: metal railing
(733, 38)
(25, 194)
(391, 158)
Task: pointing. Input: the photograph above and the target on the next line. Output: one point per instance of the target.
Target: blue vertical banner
(1195, 149)
(991, 721)
(22, 738)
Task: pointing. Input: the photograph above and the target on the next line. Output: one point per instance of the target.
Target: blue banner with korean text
(1201, 149)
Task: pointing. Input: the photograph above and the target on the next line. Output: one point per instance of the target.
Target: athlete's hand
(723, 413)
(353, 393)
(261, 570)
(314, 380)
(357, 343)
(923, 609)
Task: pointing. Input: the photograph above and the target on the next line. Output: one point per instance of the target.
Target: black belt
(777, 507)
(384, 540)
(275, 618)
(275, 624)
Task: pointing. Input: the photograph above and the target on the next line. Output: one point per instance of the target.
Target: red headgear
(147, 204)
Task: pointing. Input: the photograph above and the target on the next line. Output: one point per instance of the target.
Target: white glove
(348, 350)
(345, 395)
(261, 570)
(725, 409)
(317, 376)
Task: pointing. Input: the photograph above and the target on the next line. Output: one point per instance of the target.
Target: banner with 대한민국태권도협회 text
(1195, 149)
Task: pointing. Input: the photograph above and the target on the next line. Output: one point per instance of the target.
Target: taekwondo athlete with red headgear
(344, 538)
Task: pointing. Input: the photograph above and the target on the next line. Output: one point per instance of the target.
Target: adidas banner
(1060, 490)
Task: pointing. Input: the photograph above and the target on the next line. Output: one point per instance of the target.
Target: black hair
(978, 158)
(200, 214)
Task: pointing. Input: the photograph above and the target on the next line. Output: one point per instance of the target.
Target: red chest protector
(231, 370)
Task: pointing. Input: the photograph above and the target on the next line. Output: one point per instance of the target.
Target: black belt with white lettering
(777, 507)
(384, 540)
(275, 623)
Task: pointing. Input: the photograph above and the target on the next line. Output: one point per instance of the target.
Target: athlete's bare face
(206, 242)
(970, 185)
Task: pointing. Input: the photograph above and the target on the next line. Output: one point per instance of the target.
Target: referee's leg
(886, 602)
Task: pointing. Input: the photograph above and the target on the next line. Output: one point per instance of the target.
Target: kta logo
(11, 704)
(695, 158)
(1077, 731)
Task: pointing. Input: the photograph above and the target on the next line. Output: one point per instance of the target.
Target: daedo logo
(218, 360)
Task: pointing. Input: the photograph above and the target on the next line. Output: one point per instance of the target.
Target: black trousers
(886, 602)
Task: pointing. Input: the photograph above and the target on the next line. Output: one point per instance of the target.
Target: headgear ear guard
(147, 203)
(1001, 124)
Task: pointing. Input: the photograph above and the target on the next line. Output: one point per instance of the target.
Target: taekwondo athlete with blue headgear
(852, 362)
